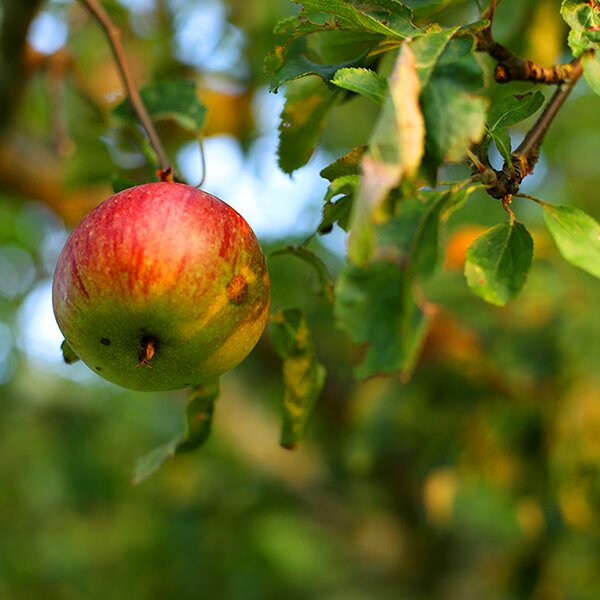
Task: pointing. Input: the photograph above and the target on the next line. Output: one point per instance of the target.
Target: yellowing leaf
(403, 112)
(303, 375)
(395, 151)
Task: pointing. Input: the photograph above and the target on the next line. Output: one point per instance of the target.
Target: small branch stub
(165, 175)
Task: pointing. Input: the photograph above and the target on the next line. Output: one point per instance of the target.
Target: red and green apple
(160, 287)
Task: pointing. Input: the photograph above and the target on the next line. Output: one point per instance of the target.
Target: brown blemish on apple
(105, 341)
(237, 289)
(146, 351)
(78, 279)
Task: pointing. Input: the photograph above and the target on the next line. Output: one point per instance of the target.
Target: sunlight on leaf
(395, 151)
(577, 236)
(362, 81)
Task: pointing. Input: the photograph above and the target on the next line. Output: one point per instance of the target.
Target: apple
(160, 287)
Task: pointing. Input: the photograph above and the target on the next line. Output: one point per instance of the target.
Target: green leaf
(583, 17)
(343, 175)
(300, 66)
(148, 464)
(308, 102)
(591, 71)
(507, 112)
(342, 46)
(386, 17)
(576, 234)
(349, 164)
(303, 375)
(177, 101)
(414, 236)
(314, 261)
(339, 211)
(376, 18)
(68, 353)
(454, 114)
(346, 184)
(415, 232)
(198, 420)
(498, 262)
(428, 10)
(501, 138)
(365, 82)
(427, 50)
(198, 415)
(336, 212)
(375, 306)
(513, 109)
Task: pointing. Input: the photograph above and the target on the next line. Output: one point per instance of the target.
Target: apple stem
(146, 352)
(113, 33)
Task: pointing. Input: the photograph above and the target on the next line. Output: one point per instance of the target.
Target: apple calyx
(146, 352)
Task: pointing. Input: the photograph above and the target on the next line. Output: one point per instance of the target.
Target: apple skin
(160, 287)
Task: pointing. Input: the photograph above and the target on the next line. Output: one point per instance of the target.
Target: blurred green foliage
(478, 478)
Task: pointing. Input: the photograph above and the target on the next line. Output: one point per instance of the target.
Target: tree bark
(17, 16)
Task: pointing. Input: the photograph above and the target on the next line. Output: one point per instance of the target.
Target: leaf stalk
(113, 34)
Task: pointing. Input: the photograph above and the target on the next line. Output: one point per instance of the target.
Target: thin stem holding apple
(113, 33)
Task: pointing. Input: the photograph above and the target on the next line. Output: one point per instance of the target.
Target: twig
(113, 33)
(536, 133)
(505, 183)
(506, 201)
(520, 69)
(511, 67)
(525, 156)
(14, 24)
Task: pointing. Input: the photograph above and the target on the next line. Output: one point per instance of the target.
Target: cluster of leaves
(428, 85)
(583, 19)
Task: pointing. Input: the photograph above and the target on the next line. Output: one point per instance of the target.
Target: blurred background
(479, 478)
